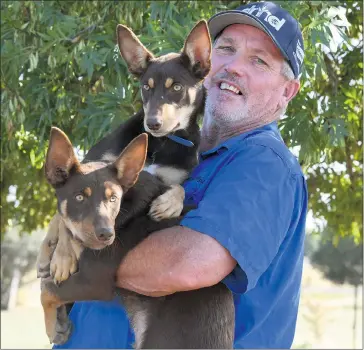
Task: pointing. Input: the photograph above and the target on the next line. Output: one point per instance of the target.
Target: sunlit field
(325, 319)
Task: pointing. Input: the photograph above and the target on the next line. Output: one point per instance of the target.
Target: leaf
(22, 102)
(32, 157)
(90, 69)
(24, 26)
(11, 106)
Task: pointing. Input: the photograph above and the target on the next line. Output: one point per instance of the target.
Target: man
(248, 228)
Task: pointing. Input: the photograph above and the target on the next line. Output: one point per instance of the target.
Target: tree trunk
(355, 311)
(13, 289)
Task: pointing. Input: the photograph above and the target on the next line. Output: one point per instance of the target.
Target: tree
(341, 263)
(18, 256)
(61, 66)
(335, 175)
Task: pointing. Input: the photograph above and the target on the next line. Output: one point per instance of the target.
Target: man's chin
(223, 105)
(231, 97)
(226, 114)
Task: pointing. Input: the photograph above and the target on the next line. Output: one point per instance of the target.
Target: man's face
(244, 59)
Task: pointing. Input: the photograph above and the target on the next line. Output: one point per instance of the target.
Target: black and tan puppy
(173, 98)
(89, 197)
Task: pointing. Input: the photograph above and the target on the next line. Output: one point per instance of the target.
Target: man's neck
(213, 135)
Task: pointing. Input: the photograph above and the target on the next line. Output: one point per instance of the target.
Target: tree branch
(349, 162)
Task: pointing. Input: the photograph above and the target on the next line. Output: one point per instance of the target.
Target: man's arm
(174, 260)
(241, 222)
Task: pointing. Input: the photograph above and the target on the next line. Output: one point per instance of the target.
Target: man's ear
(197, 49)
(131, 161)
(132, 50)
(60, 159)
(291, 89)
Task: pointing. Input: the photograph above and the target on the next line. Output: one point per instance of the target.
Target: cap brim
(223, 19)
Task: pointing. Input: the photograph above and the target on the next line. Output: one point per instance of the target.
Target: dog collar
(181, 141)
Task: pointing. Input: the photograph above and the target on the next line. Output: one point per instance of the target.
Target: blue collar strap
(181, 141)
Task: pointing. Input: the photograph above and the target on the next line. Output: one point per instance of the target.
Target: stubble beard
(220, 121)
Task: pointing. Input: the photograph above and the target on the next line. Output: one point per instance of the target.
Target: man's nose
(236, 65)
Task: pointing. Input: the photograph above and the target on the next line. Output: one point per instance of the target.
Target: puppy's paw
(63, 264)
(168, 205)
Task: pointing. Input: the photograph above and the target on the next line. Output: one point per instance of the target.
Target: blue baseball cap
(282, 28)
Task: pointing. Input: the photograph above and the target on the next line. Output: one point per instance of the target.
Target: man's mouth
(226, 86)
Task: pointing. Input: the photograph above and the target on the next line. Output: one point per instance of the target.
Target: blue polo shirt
(251, 197)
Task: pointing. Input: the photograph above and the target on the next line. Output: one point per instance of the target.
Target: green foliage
(330, 109)
(60, 66)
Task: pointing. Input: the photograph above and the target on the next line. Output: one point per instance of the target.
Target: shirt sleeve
(247, 208)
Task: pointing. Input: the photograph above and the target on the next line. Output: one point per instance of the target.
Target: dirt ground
(324, 322)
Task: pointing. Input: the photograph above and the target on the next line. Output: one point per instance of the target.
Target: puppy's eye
(113, 198)
(79, 198)
(146, 87)
(177, 87)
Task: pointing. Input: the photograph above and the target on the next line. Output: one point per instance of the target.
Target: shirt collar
(273, 127)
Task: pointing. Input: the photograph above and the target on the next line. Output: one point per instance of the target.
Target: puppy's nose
(104, 234)
(154, 124)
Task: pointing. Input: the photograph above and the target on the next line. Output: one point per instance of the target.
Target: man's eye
(225, 48)
(79, 197)
(260, 61)
(146, 87)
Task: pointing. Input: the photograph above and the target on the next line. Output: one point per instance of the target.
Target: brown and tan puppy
(173, 98)
(89, 197)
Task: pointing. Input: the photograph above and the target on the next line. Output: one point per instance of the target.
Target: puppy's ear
(60, 159)
(135, 54)
(131, 161)
(197, 50)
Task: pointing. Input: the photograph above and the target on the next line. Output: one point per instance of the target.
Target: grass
(326, 314)
(324, 321)
(22, 328)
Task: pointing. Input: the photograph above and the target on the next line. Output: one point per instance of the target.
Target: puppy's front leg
(169, 204)
(94, 281)
(66, 255)
(47, 247)
(58, 325)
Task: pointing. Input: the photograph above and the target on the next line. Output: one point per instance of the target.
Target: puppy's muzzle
(105, 234)
(154, 124)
